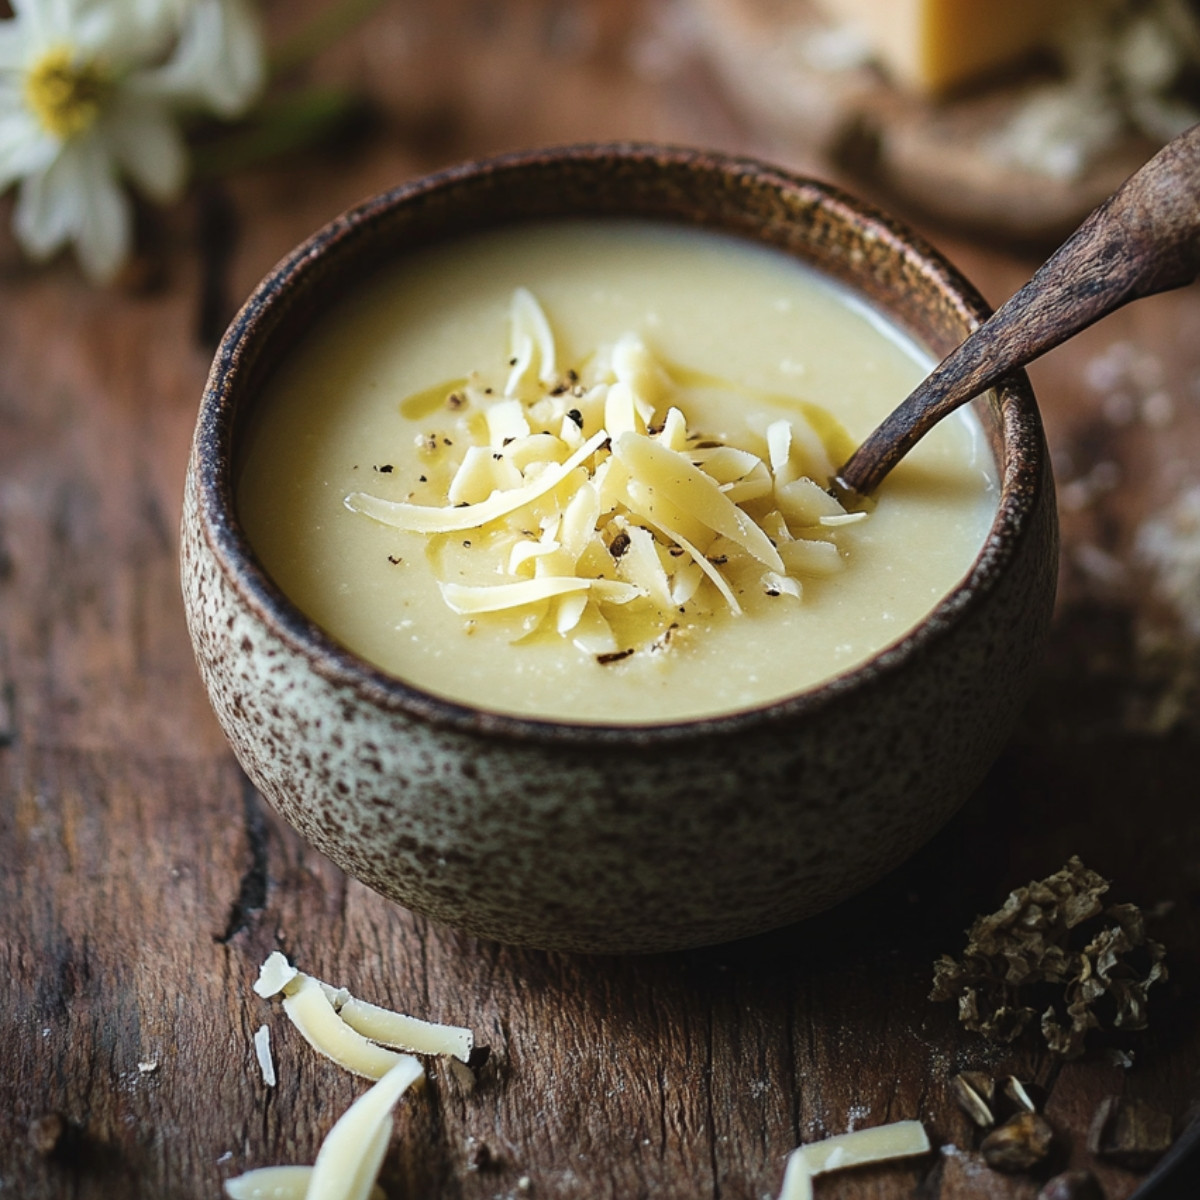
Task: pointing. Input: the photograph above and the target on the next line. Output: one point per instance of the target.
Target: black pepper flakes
(394, 560)
(613, 656)
(386, 469)
(619, 545)
(663, 641)
(576, 416)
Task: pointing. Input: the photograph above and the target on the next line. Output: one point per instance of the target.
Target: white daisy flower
(89, 94)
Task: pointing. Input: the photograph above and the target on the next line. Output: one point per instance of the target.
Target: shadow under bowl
(616, 838)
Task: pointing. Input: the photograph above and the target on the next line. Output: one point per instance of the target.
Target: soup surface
(383, 401)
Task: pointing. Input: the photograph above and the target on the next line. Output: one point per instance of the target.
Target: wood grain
(142, 881)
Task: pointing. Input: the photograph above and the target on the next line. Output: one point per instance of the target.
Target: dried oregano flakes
(1054, 958)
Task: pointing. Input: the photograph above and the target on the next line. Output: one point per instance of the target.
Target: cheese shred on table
(362, 1038)
(901, 1139)
(596, 512)
(351, 1154)
(350, 1031)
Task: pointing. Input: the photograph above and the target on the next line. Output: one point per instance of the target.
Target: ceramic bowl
(611, 838)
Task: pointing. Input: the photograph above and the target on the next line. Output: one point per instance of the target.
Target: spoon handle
(1143, 239)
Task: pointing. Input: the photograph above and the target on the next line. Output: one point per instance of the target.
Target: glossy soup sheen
(722, 308)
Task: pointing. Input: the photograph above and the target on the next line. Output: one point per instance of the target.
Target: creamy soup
(567, 471)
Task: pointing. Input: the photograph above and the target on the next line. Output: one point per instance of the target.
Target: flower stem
(331, 23)
(278, 127)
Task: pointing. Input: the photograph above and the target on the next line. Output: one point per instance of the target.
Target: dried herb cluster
(1054, 957)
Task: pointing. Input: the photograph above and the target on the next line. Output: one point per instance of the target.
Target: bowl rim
(212, 459)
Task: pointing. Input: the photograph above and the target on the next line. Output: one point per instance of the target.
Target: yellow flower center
(65, 95)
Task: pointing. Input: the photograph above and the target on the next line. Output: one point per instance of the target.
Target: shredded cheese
(262, 1049)
(419, 518)
(604, 531)
(901, 1139)
(349, 1159)
(317, 1020)
(270, 1183)
(407, 1033)
(353, 1150)
(279, 1183)
(354, 1034)
(274, 975)
(336, 1023)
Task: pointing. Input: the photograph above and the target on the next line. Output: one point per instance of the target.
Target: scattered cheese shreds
(901, 1139)
(315, 1017)
(353, 1150)
(496, 597)
(274, 975)
(346, 1030)
(797, 1179)
(407, 1033)
(376, 1024)
(666, 510)
(704, 565)
(421, 518)
(270, 1183)
(669, 472)
(529, 321)
(262, 1049)
(279, 1183)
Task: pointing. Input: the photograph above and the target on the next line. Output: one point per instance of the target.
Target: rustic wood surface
(142, 880)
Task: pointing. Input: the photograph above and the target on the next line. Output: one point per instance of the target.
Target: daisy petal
(14, 46)
(48, 210)
(148, 146)
(106, 234)
(218, 62)
(24, 148)
(76, 199)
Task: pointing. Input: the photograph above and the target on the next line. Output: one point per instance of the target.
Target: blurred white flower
(218, 61)
(90, 93)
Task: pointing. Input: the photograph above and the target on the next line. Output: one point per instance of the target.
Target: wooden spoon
(1143, 239)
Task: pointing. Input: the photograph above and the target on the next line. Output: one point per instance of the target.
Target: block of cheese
(934, 45)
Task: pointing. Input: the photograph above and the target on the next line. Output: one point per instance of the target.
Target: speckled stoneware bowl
(615, 838)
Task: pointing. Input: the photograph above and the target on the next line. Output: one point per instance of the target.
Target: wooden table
(142, 880)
